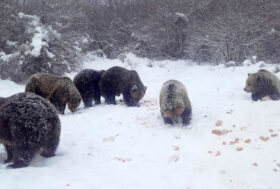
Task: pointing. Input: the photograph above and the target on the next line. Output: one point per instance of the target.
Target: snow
(7, 57)
(40, 37)
(38, 41)
(114, 146)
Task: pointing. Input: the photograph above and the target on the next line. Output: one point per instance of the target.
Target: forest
(52, 35)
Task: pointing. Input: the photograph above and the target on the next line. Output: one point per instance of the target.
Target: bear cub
(261, 84)
(118, 80)
(28, 123)
(174, 103)
(58, 90)
(87, 82)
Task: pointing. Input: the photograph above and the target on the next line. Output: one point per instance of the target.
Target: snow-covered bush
(37, 48)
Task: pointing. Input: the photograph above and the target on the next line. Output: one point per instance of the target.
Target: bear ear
(134, 88)
(145, 87)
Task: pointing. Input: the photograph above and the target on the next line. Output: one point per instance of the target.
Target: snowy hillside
(232, 142)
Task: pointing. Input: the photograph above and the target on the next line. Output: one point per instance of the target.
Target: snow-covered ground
(232, 142)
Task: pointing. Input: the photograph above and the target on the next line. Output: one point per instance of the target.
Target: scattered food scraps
(239, 149)
(176, 148)
(218, 153)
(264, 138)
(219, 123)
(109, 139)
(173, 158)
(243, 128)
(221, 132)
(122, 160)
(255, 164)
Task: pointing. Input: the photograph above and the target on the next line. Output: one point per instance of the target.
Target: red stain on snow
(235, 141)
(274, 135)
(255, 164)
(217, 132)
(247, 141)
(239, 149)
(219, 123)
(218, 153)
(264, 138)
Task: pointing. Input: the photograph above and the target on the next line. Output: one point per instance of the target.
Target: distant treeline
(214, 31)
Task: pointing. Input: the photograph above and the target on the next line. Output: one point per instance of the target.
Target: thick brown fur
(174, 102)
(118, 80)
(263, 83)
(58, 90)
(2, 100)
(28, 123)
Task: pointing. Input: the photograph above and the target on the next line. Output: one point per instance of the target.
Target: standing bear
(58, 90)
(87, 82)
(28, 123)
(174, 103)
(263, 83)
(118, 80)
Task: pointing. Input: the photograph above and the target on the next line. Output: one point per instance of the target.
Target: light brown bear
(175, 103)
(263, 83)
(58, 90)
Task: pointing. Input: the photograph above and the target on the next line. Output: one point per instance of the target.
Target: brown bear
(174, 103)
(87, 82)
(28, 123)
(263, 83)
(2, 100)
(118, 80)
(58, 90)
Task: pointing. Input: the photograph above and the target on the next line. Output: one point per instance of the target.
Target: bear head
(137, 93)
(252, 82)
(173, 111)
(74, 99)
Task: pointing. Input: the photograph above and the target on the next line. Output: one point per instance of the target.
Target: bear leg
(110, 99)
(168, 120)
(9, 150)
(97, 97)
(128, 100)
(87, 102)
(186, 117)
(23, 154)
(50, 147)
(60, 106)
(257, 96)
(274, 96)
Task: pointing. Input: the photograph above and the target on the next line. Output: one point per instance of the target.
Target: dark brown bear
(2, 100)
(118, 80)
(59, 90)
(87, 82)
(263, 83)
(28, 123)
